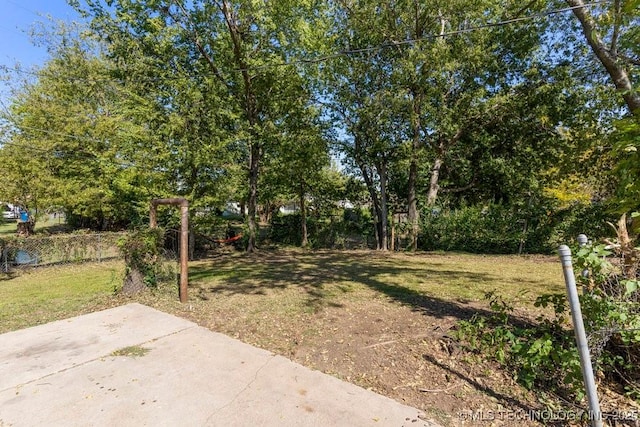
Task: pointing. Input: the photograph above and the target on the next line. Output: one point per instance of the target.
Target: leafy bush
(477, 229)
(544, 355)
(497, 228)
(354, 228)
(286, 229)
(564, 225)
(141, 250)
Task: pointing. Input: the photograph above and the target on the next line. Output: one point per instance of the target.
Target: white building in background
(9, 211)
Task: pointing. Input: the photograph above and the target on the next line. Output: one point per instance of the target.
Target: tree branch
(198, 43)
(617, 73)
(613, 46)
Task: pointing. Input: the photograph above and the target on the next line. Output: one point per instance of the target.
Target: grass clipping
(131, 351)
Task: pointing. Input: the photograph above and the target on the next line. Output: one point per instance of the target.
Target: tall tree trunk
(252, 207)
(303, 217)
(368, 180)
(441, 149)
(412, 201)
(251, 113)
(371, 187)
(383, 244)
(254, 157)
(392, 242)
(607, 57)
(434, 185)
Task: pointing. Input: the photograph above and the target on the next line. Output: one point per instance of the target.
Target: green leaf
(631, 286)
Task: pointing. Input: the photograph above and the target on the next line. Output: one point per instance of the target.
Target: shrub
(477, 229)
(353, 228)
(496, 228)
(564, 225)
(286, 229)
(544, 355)
(141, 250)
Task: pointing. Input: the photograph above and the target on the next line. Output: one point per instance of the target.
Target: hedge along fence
(496, 228)
(33, 251)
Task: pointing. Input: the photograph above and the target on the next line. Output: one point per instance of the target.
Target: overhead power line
(353, 51)
(349, 52)
(301, 61)
(46, 153)
(20, 6)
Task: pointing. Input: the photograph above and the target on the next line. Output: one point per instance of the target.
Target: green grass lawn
(7, 228)
(41, 295)
(288, 282)
(44, 224)
(329, 275)
(379, 320)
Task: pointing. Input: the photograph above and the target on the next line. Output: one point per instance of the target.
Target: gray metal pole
(582, 239)
(581, 338)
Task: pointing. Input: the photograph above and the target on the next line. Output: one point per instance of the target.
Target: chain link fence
(35, 251)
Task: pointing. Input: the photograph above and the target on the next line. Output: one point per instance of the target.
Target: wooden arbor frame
(184, 237)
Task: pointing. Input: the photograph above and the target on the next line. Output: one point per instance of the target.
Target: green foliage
(199, 76)
(285, 229)
(479, 111)
(564, 225)
(476, 229)
(539, 356)
(54, 249)
(71, 144)
(353, 229)
(544, 354)
(494, 228)
(141, 250)
(199, 99)
(627, 170)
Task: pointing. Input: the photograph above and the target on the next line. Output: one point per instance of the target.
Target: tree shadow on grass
(522, 409)
(324, 275)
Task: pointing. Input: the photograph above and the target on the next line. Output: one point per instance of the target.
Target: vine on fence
(42, 250)
(141, 250)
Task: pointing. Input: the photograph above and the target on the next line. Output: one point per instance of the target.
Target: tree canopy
(429, 106)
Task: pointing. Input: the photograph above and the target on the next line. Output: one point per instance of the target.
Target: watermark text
(545, 415)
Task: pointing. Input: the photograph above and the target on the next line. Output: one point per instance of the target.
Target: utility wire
(68, 155)
(346, 52)
(356, 51)
(18, 5)
(349, 52)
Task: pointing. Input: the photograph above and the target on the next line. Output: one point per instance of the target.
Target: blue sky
(19, 17)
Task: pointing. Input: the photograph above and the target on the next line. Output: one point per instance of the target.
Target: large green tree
(611, 31)
(296, 168)
(603, 42)
(234, 52)
(443, 75)
(363, 103)
(69, 140)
